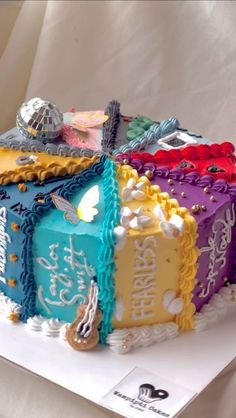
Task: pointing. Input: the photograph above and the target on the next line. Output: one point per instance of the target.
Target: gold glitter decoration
(13, 258)
(11, 282)
(15, 227)
(22, 187)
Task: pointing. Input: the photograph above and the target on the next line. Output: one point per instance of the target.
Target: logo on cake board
(143, 394)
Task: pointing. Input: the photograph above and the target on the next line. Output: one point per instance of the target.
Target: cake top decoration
(39, 119)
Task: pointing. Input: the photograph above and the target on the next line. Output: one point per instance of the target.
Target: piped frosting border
(155, 132)
(110, 127)
(42, 171)
(106, 264)
(200, 152)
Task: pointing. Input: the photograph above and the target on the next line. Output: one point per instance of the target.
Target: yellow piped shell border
(42, 171)
(189, 251)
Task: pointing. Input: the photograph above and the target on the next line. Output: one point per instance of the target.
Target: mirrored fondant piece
(39, 119)
(176, 140)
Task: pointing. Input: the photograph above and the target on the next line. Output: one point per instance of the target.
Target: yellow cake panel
(45, 166)
(150, 264)
(146, 268)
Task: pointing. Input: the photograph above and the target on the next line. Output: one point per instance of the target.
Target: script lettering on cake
(217, 248)
(4, 240)
(144, 283)
(76, 261)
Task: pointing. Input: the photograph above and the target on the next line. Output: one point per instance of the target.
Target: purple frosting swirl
(191, 178)
(205, 181)
(176, 174)
(149, 166)
(232, 190)
(162, 171)
(137, 164)
(220, 186)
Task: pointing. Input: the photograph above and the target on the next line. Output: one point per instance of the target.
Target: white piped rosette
(123, 340)
(49, 327)
(35, 323)
(216, 308)
(63, 330)
(8, 307)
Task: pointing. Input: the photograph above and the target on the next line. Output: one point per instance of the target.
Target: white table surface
(192, 360)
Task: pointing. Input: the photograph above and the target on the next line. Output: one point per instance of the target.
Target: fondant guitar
(83, 333)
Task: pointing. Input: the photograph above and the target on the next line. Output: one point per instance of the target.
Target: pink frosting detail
(71, 137)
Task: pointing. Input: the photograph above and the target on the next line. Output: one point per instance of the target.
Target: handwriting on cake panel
(144, 282)
(217, 248)
(4, 240)
(62, 281)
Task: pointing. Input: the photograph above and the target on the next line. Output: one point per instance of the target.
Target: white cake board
(192, 360)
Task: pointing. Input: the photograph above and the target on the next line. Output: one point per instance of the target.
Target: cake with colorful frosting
(127, 251)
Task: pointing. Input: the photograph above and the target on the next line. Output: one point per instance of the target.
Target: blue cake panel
(14, 205)
(11, 245)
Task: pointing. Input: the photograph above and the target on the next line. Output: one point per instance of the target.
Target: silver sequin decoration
(39, 119)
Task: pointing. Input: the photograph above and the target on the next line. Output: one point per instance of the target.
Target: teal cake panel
(66, 259)
(64, 267)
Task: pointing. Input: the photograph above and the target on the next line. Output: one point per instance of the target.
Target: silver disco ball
(39, 119)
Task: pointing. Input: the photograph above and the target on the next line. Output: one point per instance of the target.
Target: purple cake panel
(215, 224)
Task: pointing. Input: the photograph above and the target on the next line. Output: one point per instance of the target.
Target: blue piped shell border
(155, 132)
(8, 140)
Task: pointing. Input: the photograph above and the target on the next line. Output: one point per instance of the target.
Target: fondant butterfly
(82, 121)
(85, 210)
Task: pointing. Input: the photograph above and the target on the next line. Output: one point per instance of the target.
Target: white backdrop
(170, 58)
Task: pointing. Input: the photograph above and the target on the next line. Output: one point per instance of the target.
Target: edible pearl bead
(183, 194)
(196, 208)
(149, 174)
(173, 191)
(125, 161)
(206, 190)
(212, 198)
(204, 208)
(170, 181)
